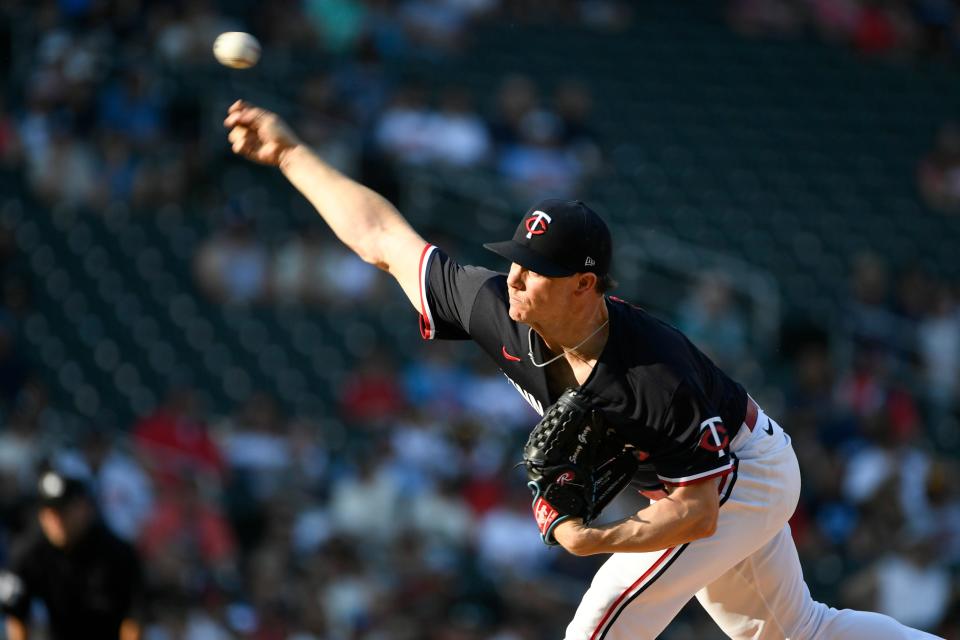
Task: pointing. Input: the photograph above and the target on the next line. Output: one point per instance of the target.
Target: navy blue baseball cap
(56, 490)
(559, 238)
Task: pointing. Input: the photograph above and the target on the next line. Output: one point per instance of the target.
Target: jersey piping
(428, 330)
(699, 477)
(660, 566)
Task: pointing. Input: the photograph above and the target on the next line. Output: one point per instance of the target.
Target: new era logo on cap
(559, 238)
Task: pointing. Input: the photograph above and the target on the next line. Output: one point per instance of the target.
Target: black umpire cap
(559, 238)
(56, 490)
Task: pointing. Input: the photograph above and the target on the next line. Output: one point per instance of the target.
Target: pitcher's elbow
(707, 524)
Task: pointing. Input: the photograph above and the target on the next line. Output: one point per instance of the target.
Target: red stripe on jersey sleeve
(427, 329)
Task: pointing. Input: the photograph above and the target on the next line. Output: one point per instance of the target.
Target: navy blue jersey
(88, 589)
(662, 394)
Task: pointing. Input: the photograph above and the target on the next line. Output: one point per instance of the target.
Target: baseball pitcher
(624, 398)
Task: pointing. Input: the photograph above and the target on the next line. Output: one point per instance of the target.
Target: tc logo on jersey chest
(713, 436)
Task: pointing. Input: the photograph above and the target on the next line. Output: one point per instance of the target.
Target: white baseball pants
(747, 575)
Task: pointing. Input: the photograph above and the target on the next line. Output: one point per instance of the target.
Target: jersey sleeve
(697, 443)
(448, 291)
(15, 594)
(135, 593)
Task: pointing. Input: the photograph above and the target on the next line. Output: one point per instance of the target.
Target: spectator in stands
(121, 487)
(184, 32)
(458, 135)
(383, 32)
(133, 106)
(606, 15)
(232, 266)
(914, 291)
(295, 269)
(765, 17)
(362, 84)
(516, 97)
(869, 317)
(338, 23)
(835, 20)
(365, 503)
(862, 392)
(436, 383)
(712, 321)
(372, 395)
(506, 547)
(935, 514)
(10, 146)
(403, 130)
(421, 454)
(187, 542)
(311, 269)
(574, 104)
(939, 172)
(310, 456)
(19, 439)
(347, 279)
(938, 337)
(440, 516)
(254, 445)
(935, 17)
(882, 27)
(323, 118)
(67, 172)
(885, 457)
(351, 592)
(119, 173)
(435, 26)
(411, 132)
(487, 404)
(539, 163)
(175, 439)
(911, 586)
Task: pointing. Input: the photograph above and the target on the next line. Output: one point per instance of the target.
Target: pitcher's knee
(809, 621)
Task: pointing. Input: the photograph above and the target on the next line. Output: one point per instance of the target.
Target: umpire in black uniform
(89, 579)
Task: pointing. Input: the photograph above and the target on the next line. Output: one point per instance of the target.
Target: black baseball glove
(574, 467)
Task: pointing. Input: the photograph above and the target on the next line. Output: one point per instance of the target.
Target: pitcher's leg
(635, 595)
(764, 597)
(633, 582)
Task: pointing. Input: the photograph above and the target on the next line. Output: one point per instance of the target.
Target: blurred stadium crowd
(894, 28)
(398, 513)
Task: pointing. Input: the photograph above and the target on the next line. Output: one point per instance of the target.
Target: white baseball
(236, 49)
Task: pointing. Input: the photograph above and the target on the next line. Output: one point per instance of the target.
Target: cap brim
(526, 257)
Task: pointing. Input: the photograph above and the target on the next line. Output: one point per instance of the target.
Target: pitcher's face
(538, 299)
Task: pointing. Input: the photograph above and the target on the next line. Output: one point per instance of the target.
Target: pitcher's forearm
(687, 514)
(360, 217)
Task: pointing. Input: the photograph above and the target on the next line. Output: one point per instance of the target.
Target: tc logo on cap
(537, 224)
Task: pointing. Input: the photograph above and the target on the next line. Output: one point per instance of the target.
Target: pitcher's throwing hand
(258, 134)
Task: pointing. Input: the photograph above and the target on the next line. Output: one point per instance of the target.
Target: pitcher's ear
(586, 281)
